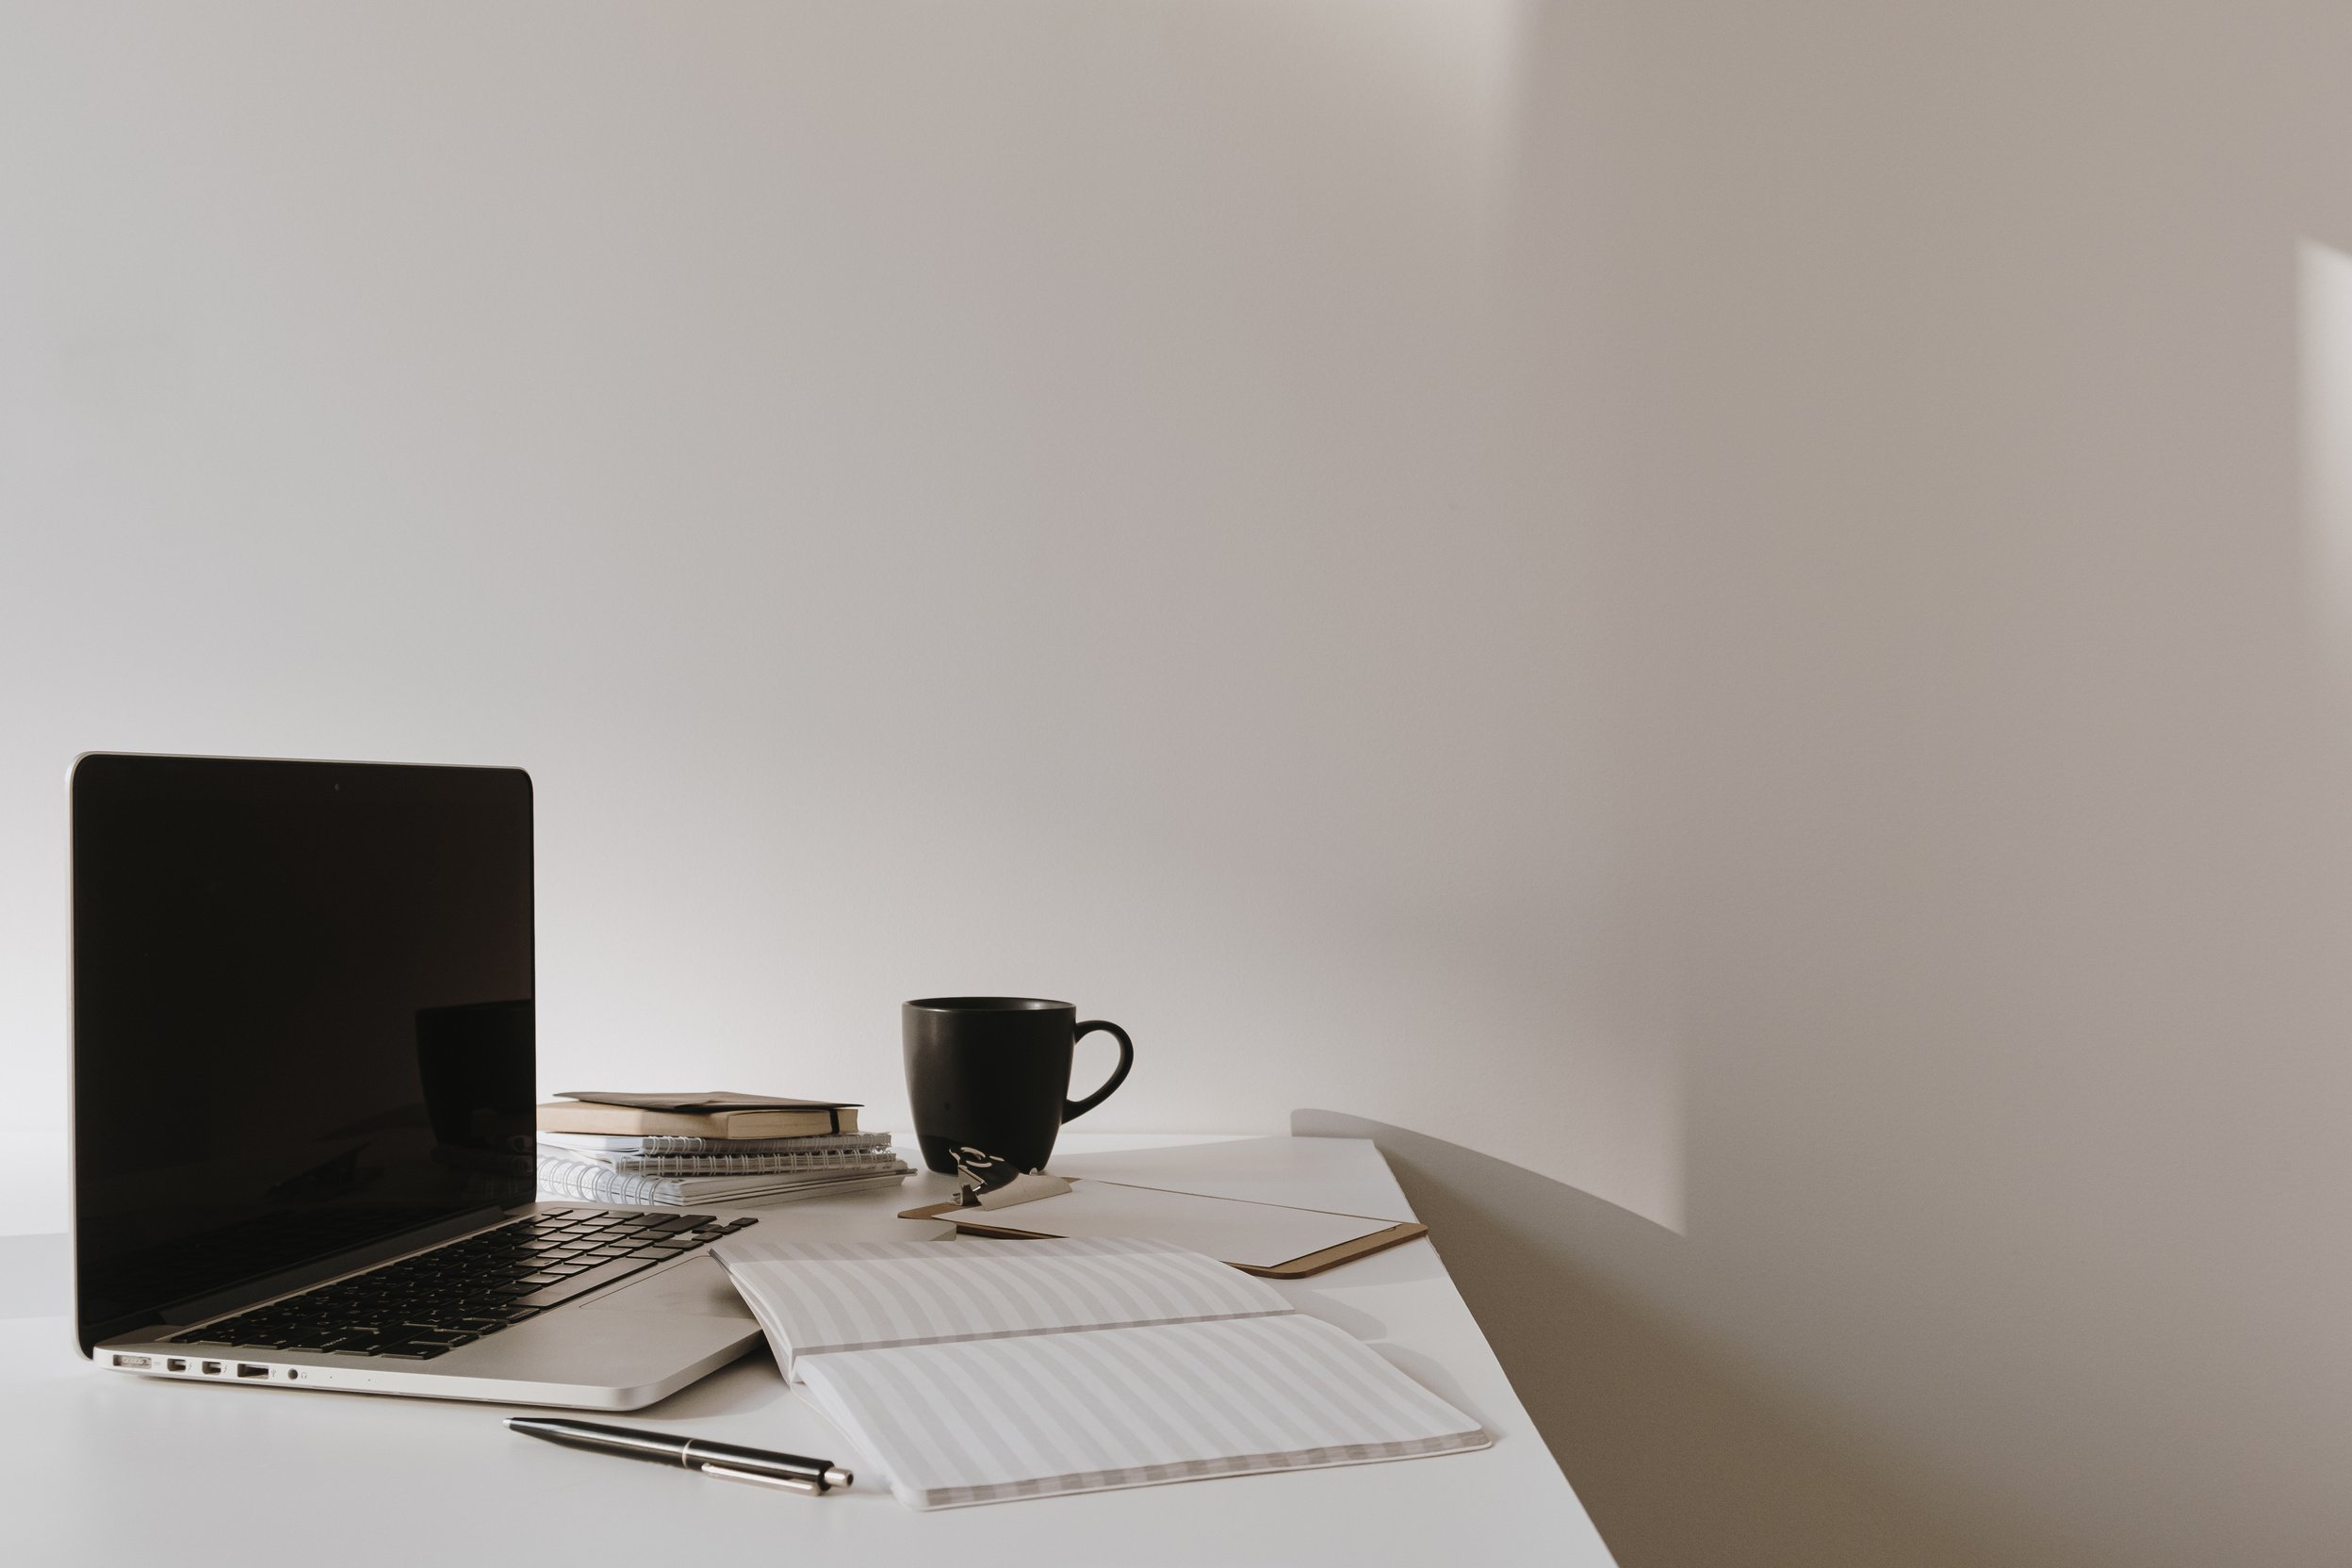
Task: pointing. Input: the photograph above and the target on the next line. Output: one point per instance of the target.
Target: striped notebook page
(988, 1421)
(817, 1297)
(979, 1371)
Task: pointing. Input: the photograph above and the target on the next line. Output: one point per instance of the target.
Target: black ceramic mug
(992, 1073)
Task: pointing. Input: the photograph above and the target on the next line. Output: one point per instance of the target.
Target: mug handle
(1073, 1109)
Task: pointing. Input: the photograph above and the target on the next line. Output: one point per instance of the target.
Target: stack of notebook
(675, 1150)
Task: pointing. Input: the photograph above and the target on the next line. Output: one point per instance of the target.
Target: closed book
(701, 1100)
(602, 1144)
(587, 1115)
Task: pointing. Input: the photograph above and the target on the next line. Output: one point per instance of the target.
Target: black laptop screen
(303, 1018)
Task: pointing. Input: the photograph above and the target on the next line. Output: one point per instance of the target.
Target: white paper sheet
(817, 1298)
(1258, 1234)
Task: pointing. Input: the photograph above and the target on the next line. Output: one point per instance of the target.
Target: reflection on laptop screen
(302, 1017)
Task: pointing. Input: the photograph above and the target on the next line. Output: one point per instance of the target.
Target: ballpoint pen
(728, 1463)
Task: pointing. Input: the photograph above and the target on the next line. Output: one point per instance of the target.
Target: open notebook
(976, 1371)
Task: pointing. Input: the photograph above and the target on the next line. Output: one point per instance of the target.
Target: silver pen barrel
(703, 1453)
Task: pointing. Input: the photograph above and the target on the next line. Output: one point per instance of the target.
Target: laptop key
(580, 1284)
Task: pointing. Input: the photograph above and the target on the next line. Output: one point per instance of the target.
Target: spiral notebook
(982, 1372)
(577, 1179)
(835, 1160)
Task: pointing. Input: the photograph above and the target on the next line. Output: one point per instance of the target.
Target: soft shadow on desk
(33, 1281)
(1681, 1459)
(1340, 1315)
(752, 1384)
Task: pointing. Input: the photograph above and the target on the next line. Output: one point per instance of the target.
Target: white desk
(103, 1468)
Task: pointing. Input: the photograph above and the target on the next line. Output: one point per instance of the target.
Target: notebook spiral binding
(728, 1165)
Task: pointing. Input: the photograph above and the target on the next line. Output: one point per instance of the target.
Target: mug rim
(987, 1005)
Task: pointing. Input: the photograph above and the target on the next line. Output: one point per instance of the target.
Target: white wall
(1940, 403)
(943, 498)
(1711, 606)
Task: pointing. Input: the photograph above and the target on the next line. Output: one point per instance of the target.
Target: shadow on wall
(1681, 1462)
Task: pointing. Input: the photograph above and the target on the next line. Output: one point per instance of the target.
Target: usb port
(142, 1363)
(176, 1364)
(247, 1370)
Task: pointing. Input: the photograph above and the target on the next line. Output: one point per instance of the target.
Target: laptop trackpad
(699, 1287)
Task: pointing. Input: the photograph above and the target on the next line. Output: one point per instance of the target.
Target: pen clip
(787, 1483)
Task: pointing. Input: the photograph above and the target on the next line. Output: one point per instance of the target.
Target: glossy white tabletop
(107, 1468)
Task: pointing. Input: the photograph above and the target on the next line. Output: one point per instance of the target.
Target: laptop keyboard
(428, 1305)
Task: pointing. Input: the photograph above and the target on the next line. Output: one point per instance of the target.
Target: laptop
(304, 1091)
